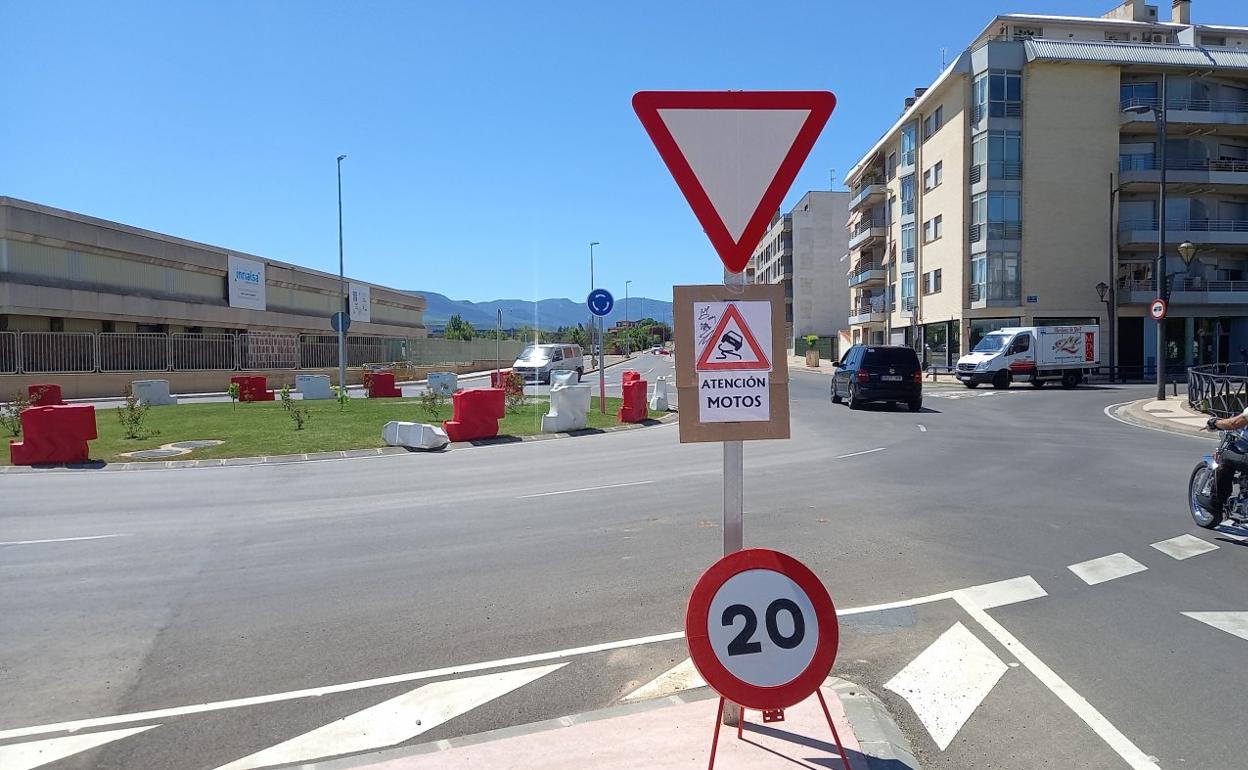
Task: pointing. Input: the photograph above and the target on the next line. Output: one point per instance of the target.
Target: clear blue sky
(488, 142)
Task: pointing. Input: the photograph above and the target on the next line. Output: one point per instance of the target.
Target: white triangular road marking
(1235, 623)
(683, 676)
(1003, 592)
(947, 682)
(394, 721)
(735, 154)
(1184, 547)
(25, 756)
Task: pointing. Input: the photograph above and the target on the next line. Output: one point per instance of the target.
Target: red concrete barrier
(44, 395)
(252, 387)
(633, 408)
(499, 379)
(54, 435)
(477, 413)
(381, 385)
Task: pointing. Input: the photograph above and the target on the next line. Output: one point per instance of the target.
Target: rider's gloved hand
(1211, 423)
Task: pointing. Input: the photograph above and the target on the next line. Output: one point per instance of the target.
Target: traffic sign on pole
(734, 155)
(600, 302)
(340, 321)
(761, 629)
(1158, 309)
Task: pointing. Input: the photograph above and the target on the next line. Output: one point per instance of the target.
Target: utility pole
(342, 287)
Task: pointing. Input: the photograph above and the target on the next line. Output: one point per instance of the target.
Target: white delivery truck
(1035, 354)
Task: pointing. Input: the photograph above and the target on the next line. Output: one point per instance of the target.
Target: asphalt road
(380, 575)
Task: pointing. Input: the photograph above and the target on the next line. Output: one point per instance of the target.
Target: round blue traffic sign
(341, 318)
(600, 302)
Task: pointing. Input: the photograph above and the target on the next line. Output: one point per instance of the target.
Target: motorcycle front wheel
(1202, 476)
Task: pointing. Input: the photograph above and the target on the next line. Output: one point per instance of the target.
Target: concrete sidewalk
(669, 733)
(1172, 415)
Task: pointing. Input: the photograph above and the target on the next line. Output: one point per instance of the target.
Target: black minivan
(879, 373)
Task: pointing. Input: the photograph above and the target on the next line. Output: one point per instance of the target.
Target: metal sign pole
(734, 507)
(602, 368)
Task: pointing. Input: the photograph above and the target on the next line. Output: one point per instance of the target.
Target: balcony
(995, 231)
(866, 232)
(867, 195)
(996, 110)
(867, 275)
(1185, 290)
(1186, 112)
(867, 312)
(1203, 232)
(997, 169)
(996, 294)
(1145, 170)
(908, 304)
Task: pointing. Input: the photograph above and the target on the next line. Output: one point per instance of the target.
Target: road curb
(883, 745)
(1132, 413)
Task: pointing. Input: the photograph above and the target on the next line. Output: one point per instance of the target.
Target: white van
(1035, 354)
(536, 362)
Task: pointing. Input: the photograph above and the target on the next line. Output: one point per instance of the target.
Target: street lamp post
(593, 322)
(1159, 269)
(1108, 296)
(342, 287)
(628, 343)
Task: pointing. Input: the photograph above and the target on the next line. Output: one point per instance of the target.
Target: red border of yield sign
(734, 254)
(703, 655)
(1165, 308)
(705, 364)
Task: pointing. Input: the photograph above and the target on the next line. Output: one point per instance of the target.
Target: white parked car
(536, 362)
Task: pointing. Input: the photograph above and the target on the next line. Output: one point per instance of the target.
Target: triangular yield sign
(724, 351)
(734, 155)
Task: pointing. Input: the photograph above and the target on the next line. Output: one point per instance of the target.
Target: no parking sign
(761, 629)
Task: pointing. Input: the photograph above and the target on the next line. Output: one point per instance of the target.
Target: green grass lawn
(264, 428)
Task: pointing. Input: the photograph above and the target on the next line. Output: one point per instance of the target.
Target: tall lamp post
(593, 323)
(1187, 250)
(628, 343)
(342, 287)
(1159, 270)
(1107, 295)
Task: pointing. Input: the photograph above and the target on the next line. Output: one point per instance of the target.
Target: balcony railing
(976, 174)
(907, 254)
(907, 158)
(1186, 283)
(1188, 225)
(998, 110)
(1149, 162)
(907, 207)
(862, 311)
(865, 193)
(908, 304)
(865, 273)
(1001, 291)
(1194, 105)
(865, 226)
(995, 231)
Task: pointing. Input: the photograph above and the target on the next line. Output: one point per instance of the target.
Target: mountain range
(544, 313)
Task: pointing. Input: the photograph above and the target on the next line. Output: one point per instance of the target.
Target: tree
(459, 329)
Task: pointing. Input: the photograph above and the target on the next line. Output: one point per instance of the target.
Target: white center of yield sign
(762, 627)
(732, 355)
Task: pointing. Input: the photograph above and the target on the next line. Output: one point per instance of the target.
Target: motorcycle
(1202, 485)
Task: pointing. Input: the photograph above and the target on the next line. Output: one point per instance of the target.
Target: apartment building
(1024, 181)
(805, 250)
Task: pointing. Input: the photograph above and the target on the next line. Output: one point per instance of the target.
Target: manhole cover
(196, 444)
(151, 454)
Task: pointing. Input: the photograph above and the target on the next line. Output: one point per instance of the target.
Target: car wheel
(1001, 380)
(855, 401)
(1071, 378)
(972, 384)
(1037, 383)
(916, 406)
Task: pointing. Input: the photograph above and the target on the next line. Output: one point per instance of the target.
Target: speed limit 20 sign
(761, 629)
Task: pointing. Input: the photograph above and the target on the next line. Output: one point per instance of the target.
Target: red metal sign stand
(776, 715)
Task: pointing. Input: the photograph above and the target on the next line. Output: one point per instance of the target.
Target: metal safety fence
(108, 352)
(1218, 389)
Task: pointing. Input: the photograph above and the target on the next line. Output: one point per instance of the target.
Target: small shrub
(299, 415)
(11, 413)
(513, 389)
(131, 415)
(287, 401)
(234, 391)
(341, 396)
(432, 401)
(812, 340)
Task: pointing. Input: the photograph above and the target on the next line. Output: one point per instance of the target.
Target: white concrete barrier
(313, 386)
(658, 395)
(569, 407)
(417, 435)
(445, 383)
(563, 378)
(152, 392)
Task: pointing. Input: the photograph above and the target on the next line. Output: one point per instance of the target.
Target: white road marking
(1234, 623)
(1106, 568)
(683, 676)
(922, 429)
(1120, 743)
(414, 676)
(1109, 412)
(864, 452)
(947, 682)
(587, 489)
(61, 539)
(393, 721)
(32, 754)
(1184, 547)
(1001, 593)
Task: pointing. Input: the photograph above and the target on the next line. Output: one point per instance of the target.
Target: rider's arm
(1230, 423)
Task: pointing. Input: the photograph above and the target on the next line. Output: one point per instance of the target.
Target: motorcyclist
(1232, 460)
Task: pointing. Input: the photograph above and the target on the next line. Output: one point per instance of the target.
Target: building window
(907, 145)
(892, 166)
(933, 176)
(931, 282)
(1000, 152)
(907, 243)
(933, 229)
(1137, 94)
(907, 195)
(980, 327)
(998, 94)
(995, 277)
(933, 122)
(996, 215)
(907, 290)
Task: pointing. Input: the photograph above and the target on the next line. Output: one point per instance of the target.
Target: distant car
(870, 373)
(657, 349)
(536, 362)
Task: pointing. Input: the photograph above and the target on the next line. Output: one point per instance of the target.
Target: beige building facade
(1024, 181)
